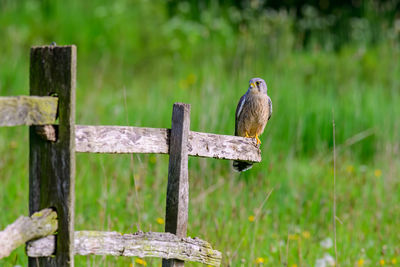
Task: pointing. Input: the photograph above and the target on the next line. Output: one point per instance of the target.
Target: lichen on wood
(27, 110)
(40, 224)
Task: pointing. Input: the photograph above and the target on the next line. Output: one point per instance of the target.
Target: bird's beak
(252, 85)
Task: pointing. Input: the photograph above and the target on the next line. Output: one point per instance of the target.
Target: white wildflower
(326, 243)
(320, 263)
(326, 261)
(330, 261)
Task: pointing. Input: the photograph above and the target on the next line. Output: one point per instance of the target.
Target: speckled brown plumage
(252, 114)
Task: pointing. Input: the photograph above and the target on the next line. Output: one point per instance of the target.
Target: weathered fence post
(176, 215)
(52, 164)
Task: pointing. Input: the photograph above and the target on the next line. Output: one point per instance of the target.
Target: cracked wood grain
(124, 139)
(140, 244)
(223, 147)
(177, 204)
(121, 139)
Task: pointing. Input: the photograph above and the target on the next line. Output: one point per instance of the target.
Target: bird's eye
(258, 83)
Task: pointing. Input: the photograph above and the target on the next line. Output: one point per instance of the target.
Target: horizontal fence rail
(39, 229)
(27, 110)
(123, 139)
(140, 244)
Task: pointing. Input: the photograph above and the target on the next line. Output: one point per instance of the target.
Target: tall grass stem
(334, 189)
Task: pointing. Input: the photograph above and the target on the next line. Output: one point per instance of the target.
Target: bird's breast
(254, 115)
(258, 107)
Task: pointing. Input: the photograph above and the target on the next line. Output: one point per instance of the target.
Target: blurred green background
(322, 60)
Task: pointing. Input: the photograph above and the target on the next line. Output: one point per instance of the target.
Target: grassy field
(277, 214)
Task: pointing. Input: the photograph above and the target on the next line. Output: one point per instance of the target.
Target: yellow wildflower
(360, 262)
(394, 261)
(260, 260)
(141, 261)
(382, 262)
(294, 237)
(306, 234)
(294, 265)
(378, 173)
(350, 169)
(251, 218)
(160, 220)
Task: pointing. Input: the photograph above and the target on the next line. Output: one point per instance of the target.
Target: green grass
(154, 64)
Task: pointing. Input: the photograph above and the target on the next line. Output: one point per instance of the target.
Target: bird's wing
(239, 109)
(270, 107)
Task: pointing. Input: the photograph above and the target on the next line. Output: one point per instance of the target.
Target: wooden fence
(52, 147)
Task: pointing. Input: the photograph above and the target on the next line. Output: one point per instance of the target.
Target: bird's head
(257, 85)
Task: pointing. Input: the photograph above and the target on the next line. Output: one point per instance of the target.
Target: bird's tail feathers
(241, 166)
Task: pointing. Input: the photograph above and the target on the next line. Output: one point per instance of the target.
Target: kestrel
(252, 114)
